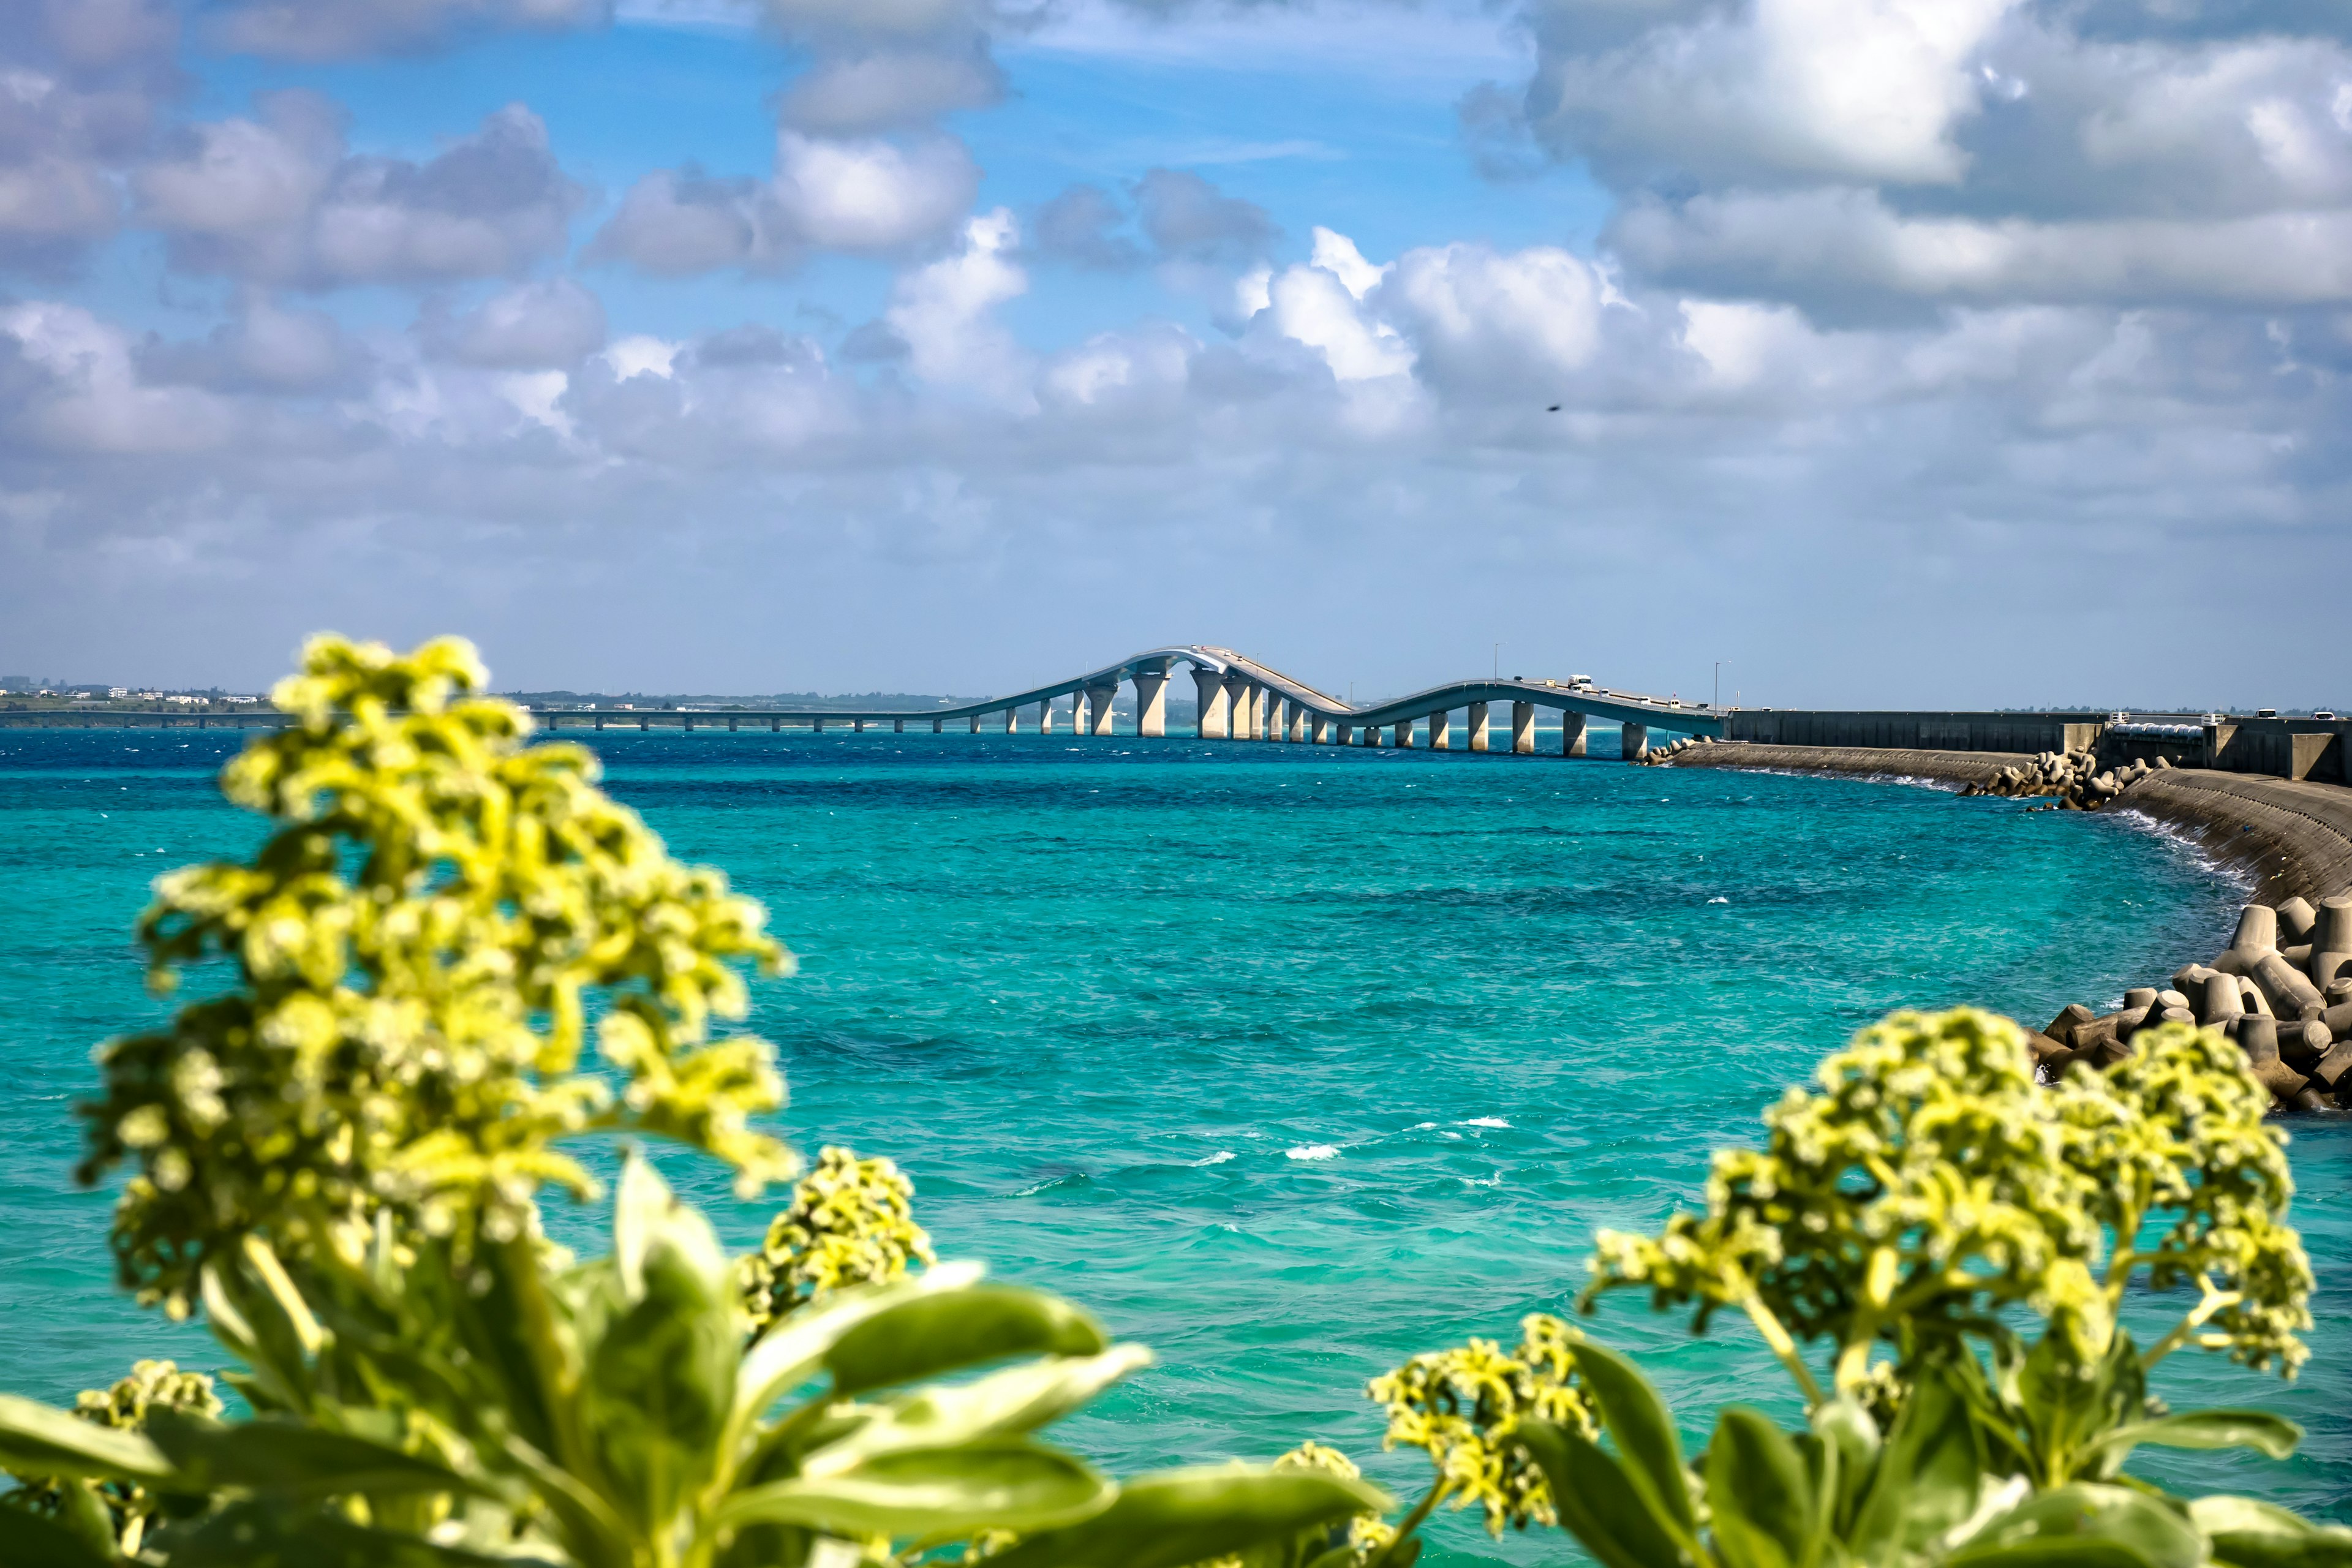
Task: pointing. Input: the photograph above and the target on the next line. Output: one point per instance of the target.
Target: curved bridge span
(1237, 698)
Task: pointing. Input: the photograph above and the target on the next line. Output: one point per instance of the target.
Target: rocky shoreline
(2282, 988)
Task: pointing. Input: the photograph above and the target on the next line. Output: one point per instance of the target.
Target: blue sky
(1904, 352)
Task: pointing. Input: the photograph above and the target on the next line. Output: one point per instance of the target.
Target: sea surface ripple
(1287, 1062)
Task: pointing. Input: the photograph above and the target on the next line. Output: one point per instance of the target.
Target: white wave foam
(1421, 1127)
(1718, 901)
(1313, 1151)
(1494, 1181)
(1485, 1121)
(1219, 1158)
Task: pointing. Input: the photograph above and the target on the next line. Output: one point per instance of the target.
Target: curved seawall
(2294, 838)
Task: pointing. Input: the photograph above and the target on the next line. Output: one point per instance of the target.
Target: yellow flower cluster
(124, 1407)
(851, 1222)
(1462, 1405)
(1929, 1182)
(413, 956)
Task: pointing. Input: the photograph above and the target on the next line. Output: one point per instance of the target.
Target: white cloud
(888, 89)
(1338, 255)
(859, 196)
(1868, 90)
(1816, 246)
(89, 398)
(277, 200)
(1482, 320)
(945, 311)
(331, 29)
(534, 326)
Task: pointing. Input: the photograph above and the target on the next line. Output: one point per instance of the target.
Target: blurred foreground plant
(340, 1157)
(412, 952)
(1928, 1192)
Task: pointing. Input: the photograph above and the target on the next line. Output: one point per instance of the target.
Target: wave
(1313, 1151)
(1219, 1158)
(1485, 1121)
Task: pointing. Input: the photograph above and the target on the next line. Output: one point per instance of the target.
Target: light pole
(1719, 683)
(1498, 662)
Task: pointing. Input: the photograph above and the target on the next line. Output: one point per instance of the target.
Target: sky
(1890, 353)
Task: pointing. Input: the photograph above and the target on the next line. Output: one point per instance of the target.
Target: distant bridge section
(1237, 699)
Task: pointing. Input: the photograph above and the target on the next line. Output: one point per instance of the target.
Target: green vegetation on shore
(338, 1161)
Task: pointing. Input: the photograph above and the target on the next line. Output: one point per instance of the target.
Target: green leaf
(268, 1534)
(1762, 1499)
(29, 1541)
(2105, 1516)
(938, 1333)
(661, 1383)
(932, 1494)
(1181, 1516)
(1850, 1445)
(2245, 1533)
(285, 1457)
(1638, 1419)
(2273, 1435)
(1598, 1502)
(1928, 1475)
(791, 1354)
(1005, 1404)
(41, 1440)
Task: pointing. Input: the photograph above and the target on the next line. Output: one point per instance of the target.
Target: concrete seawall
(2293, 837)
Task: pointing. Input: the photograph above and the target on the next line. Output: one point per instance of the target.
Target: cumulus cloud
(333, 29)
(889, 90)
(278, 199)
(1822, 247)
(1853, 156)
(82, 83)
(266, 347)
(864, 195)
(945, 313)
(1171, 215)
(84, 394)
(543, 325)
(1869, 89)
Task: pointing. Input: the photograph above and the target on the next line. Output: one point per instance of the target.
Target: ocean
(1286, 1061)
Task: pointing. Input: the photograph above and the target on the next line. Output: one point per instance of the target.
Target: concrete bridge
(1236, 697)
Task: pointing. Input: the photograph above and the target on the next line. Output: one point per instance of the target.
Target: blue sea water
(1286, 1061)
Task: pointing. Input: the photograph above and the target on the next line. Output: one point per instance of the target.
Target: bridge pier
(1211, 709)
(1441, 730)
(816, 726)
(1237, 706)
(1404, 735)
(1298, 723)
(1571, 733)
(1634, 742)
(937, 724)
(1151, 701)
(1045, 717)
(1012, 721)
(856, 726)
(1277, 720)
(644, 724)
(1477, 726)
(1320, 728)
(975, 723)
(1523, 729)
(1098, 704)
(898, 726)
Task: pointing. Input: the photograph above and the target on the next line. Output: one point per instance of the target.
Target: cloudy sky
(1900, 351)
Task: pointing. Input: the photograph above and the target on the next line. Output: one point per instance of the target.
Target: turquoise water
(1287, 1062)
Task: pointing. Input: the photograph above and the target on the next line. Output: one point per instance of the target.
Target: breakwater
(2281, 987)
